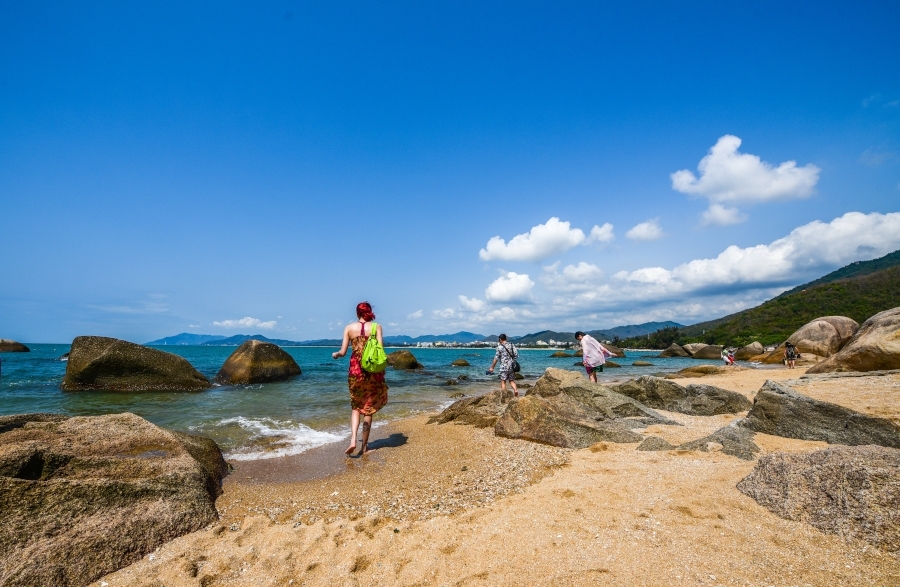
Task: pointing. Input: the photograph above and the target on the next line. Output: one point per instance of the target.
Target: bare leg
(367, 427)
(354, 424)
(514, 388)
(503, 385)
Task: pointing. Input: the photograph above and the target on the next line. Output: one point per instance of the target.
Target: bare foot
(350, 450)
(366, 451)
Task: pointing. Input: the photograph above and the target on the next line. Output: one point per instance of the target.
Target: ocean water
(275, 419)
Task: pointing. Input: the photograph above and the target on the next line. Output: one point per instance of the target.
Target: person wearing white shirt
(594, 354)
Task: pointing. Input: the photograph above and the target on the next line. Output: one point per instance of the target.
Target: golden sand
(452, 505)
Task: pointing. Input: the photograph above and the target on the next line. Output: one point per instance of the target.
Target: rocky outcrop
(81, 497)
(853, 492)
(731, 440)
(481, 412)
(818, 339)
(460, 363)
(653, 443)
(745, 353)
(781, 411)
(704, 370)
(674, 350)
(403, 360)
(11, 346)
(565, 409)
(97, 362)
(257, 362)
(708, 352)
(696, 400)
(874, 347)
(694, 347)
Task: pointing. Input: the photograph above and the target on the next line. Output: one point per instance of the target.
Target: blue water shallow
(257, 421)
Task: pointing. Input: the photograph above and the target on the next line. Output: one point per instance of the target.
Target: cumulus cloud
(544, 240)
(728, 176)
(444, 314)
(722, 215)
(510, 288)
(471, 304)
(646, 231)
(247, 322)
(572, 277)
(415, 315)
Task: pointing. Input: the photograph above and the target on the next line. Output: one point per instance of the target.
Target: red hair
(364, 311)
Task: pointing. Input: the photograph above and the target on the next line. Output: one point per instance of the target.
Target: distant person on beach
(593, 354)
(368, 391)
(728, 356)
(506, 354)
(790, 355)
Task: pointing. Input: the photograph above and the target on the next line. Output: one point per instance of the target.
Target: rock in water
(745, 353)
(710, 351)
(460, 363)
(561, 355)
(674, 350)
(11, 346)
(565, 409)
(481, 411)
(579, 353)
(642, 364)
(848, 491)
(97, 362)
(81, 497)
(403, 360)
(616, 351)
(875, 346)
(257, 362)
(696, 400)
(781, 411)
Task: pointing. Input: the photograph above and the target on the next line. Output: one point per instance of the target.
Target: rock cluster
(11, 346)
(97, 362)
(257, 362)
(695, 400)
(81, 497)
(875, 346)
(850, 491)
(818, 339)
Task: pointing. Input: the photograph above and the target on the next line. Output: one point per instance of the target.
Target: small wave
(269, 438)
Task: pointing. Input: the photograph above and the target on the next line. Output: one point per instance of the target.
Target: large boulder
(97, 362)
(257, 362)
(561, 355)
(696, 400)
(481, 412)
(565, 409)
(710, 351)
(403, 360)
(781, 411)
(694, 347)
(579, 353)
(616, 351)
(876, 346)
(11, 346)
(460, 363)
(849, 491)
(818, 339)
(674, 350)
(81, 497)
(745, 353)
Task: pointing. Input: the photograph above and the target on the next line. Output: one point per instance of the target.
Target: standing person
(368, 391)
(506, 354)
(790, 354)
(593, 354)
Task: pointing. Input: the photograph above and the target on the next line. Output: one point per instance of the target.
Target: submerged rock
(849, 491)
(403, 360)
(561, 355)
(460, 363)
(642, 364)
(696, 400)
(781, 411)
(875, 346)
(82, 497)
(11, 346)
(257, 362)
(97, 362)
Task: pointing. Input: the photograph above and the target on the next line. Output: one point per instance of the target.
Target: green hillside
(857, 291)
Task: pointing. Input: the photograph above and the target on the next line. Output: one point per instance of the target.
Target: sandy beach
(454, 505)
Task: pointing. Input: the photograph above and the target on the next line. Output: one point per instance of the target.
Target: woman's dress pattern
(368, 391)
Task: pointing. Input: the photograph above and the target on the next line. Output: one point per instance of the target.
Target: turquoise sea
(274, 419)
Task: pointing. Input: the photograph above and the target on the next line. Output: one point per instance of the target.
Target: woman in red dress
(368, 391)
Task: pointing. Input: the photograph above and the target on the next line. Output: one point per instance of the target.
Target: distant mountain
(459, 337)
(185, 339)
(855, 292)
(239, 339)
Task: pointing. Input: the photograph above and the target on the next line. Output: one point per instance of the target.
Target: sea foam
(272, 438)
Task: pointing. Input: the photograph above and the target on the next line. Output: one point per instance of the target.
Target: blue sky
(261, 167)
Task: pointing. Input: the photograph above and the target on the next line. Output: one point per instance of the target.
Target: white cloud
(730, 177)
(722, 215)
(544, 240)
(448, 313)
(646, 231)
(572, 278)
(246, 322)
(471, 304)
(415, 315)
(510, 288)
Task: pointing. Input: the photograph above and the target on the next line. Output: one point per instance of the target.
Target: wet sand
(453, 505)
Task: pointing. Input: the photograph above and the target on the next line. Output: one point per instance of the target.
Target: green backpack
(373, 358)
